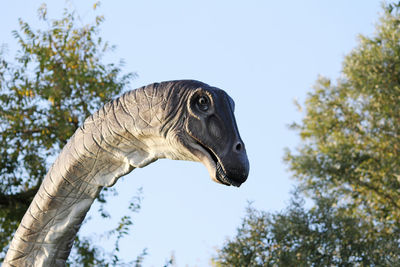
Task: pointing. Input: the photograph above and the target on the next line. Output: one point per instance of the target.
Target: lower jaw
(222, 178)
(222, 181)
(220, 174)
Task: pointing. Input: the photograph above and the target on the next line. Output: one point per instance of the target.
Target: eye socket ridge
(203, 103)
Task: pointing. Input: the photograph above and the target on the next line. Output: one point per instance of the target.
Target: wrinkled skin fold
(180, 120)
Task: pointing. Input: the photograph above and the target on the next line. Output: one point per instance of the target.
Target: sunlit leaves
(351, 128)
(348, 162)
(321, 236)
(57, 78)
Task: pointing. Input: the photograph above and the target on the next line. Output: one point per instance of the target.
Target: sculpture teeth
(222, 176)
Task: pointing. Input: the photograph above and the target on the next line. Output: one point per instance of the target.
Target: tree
(321, 236)
(348, 163)
(57, 79)
(351, 129)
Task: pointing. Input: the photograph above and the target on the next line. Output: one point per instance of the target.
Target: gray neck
(126, 133)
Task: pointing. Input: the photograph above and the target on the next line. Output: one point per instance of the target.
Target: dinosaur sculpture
(180, 120)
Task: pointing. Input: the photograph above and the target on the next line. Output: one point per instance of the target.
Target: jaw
(213, 165)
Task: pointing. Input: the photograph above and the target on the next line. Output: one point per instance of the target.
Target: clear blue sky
(265, 54)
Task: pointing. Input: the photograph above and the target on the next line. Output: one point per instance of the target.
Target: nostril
(238, 147)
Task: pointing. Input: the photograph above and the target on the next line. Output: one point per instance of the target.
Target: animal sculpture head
(186, 120)
(204, 129)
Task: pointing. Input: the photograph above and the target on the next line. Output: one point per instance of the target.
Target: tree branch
(24, 198)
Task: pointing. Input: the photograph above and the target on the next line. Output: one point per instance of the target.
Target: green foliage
(348, 162)
(351, 129)
(321, 236)
(56, 80)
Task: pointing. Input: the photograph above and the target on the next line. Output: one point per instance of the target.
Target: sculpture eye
(203, 103)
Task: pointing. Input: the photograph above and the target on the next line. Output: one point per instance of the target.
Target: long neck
(111, 143)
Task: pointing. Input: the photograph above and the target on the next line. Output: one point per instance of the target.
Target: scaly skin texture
(152, 122)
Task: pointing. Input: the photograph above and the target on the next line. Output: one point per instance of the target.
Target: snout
(238, 170)
(239, 175)
(235, 166)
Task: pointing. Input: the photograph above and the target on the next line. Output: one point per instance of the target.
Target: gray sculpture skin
(180, 120)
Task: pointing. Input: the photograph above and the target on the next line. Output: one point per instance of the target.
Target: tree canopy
(348, 162)
(321, 236)
(351, 128)
(57, 78)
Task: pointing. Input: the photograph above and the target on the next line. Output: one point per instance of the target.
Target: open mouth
(220, 173)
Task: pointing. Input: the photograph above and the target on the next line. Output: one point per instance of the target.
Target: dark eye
(203, 103)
